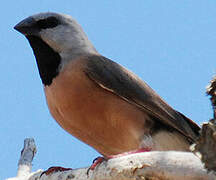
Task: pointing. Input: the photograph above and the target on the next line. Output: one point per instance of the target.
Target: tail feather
(195, 128)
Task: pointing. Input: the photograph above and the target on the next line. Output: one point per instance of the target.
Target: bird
(97, 100)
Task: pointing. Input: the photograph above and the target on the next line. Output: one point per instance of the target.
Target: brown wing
(118, 80)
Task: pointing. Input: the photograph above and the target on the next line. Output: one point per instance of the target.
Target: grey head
(56, 39)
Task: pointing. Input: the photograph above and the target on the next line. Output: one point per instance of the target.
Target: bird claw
(96, 162)
(54, 169)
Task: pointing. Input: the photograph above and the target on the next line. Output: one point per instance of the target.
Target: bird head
(56, 39)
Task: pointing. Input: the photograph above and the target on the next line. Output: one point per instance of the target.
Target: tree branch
(25, 162)
(155, 165)
(206, 144)
(211, 91)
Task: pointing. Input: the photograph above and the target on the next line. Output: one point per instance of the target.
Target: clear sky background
(169, 44)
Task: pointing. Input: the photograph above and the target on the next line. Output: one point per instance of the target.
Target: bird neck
(80, 46)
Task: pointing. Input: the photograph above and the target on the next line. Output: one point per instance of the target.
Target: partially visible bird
(97, 100)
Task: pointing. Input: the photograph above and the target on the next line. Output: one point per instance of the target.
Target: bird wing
(118, 80)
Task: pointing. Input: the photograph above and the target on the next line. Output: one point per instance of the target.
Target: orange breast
(92, 114)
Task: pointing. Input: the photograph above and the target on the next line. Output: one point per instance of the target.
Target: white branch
(25, 161)
(155, 165)
(149, 165)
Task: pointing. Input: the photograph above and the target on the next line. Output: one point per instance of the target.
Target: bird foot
(54, 169)
(96, 161)
(99, 160)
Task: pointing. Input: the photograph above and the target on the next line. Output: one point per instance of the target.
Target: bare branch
(211, 91)
(155, 165)
(206, 144)
(25, 162)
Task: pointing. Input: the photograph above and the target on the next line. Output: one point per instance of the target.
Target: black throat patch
(47, 59)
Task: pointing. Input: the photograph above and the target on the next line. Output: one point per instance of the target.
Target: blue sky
(169, 44)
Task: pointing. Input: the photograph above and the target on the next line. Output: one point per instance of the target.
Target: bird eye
(49, 22)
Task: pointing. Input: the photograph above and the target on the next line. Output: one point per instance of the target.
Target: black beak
(27, 27)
